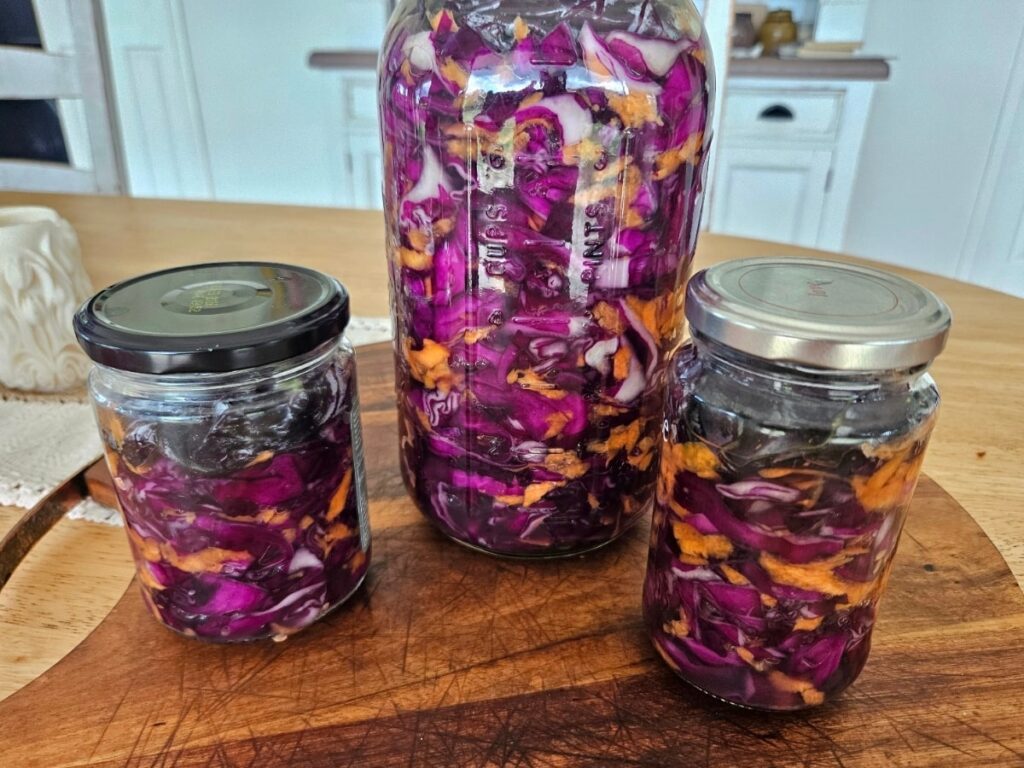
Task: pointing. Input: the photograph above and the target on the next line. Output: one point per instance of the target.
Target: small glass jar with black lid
(796, 425)
(226, 400)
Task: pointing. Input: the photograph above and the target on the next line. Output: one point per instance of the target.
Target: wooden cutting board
(448, 657)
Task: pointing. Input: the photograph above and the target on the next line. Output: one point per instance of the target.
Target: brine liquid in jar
(543, 178)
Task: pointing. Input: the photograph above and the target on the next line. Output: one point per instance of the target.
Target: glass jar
(543, 176)
(226, 400)
(797, 421)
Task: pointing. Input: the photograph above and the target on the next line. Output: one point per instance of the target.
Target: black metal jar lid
(212, 318)
(820, 314)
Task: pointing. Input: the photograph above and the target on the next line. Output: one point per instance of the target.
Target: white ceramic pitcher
(42, 283)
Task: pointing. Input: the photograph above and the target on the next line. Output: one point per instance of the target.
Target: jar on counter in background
(796, 426)
(544, 166)
(226, 400)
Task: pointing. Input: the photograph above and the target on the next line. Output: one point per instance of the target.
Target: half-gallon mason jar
(226, 400)
(543, 173)
(797, 421)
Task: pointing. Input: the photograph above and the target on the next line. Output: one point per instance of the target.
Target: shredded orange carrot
(209, 560)
(273, 517)
(804, 624)
(444, 15)
(334, 534)
(538, 491)
(662, 317)
(430, 365)
(585, 151)
(260, 458)
(451, 70)
(520, 29)
(607, 409)
(679, 628)
(818, 576)
(693, 457)
(533, 99)
(733, 576)
(748, 656)
(696, 544)
(418, 260)
(594, 64)
(642, 456)
(565, 463)
(475, 335)
(620, 362)
(340, 497)
(357, 561)
(680, 511)
(891, 484)
(635, 109)
(531, 380)
(609, 318)
(556, 423)
(111, 423)
(672, 159)
(406, 72)
(622, 438)
(148, 579)
(787, 684)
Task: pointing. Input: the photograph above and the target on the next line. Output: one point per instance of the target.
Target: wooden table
(72, 580)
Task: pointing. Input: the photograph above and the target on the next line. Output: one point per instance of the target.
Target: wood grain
(448, 657)
(977, 450)
(976, 454)
(26, 532)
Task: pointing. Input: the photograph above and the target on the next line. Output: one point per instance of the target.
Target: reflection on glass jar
(797, 422)
(544, 168)
(226, 401)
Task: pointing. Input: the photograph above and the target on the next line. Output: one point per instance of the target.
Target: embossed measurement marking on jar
(492, 246)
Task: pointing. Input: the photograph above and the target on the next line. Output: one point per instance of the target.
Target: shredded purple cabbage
(772, 545)
(542, 186)
(244, 524)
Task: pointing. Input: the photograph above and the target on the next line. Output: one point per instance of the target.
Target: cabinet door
(770, 194)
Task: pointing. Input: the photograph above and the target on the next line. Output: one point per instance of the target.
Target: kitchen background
(890, 129)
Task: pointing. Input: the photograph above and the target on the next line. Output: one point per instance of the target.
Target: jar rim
(821, 314)
(212, 318)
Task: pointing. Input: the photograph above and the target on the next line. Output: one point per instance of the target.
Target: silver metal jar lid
(819, 314)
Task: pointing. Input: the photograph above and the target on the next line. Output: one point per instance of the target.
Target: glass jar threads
(543, 177)
(226, 399)
(797, 421)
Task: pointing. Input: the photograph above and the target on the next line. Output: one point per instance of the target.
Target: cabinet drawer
(782, 115)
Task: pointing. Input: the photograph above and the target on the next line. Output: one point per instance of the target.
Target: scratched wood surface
(451, 658)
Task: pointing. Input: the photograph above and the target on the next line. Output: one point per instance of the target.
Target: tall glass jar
(797, 422)
(226, 400)
(543, 176)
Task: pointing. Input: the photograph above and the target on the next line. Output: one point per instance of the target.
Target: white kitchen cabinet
(771, 194)
(216, 100)
(788, 159)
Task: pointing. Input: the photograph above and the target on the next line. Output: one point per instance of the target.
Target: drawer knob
(776, 112)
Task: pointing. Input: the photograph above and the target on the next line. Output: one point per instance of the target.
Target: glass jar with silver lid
(796, 424)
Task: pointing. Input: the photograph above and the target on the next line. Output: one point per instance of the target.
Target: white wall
(269, 119)
(927, 151)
